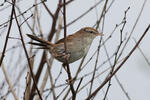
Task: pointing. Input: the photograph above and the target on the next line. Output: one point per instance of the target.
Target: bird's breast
(86, 48)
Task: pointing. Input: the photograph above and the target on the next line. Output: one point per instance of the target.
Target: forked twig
(117, 69)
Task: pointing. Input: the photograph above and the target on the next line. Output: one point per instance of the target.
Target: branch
(8, 32)
(9, 83)
(65, 45)
(26, 53)
(117, 69)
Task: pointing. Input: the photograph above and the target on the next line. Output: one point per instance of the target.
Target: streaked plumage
(78, 44)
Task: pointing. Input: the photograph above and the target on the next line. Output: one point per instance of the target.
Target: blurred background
(115, 18)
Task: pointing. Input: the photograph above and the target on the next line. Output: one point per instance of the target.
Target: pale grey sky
(135, 73)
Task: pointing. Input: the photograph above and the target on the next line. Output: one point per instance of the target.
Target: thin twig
(8, 32)
(117, 69)
(34, 5)
(79, 84)
(9, 83)
(98, 50)
(26, 53)
(115, 60)
(65, 45)
(50, 36)
(103, 12)
(82, 15)
(49, 64)
(140, 13)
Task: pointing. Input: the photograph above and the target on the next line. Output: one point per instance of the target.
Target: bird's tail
(40, 42)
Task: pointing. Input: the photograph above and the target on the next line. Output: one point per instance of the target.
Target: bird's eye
(89, 31)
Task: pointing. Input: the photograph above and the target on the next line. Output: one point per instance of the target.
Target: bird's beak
(100, 34)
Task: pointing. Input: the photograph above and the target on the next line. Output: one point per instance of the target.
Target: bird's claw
(66, 56)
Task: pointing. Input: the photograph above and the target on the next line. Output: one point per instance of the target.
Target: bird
(77, 45)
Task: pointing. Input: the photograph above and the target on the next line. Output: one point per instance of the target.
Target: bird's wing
(69, 39)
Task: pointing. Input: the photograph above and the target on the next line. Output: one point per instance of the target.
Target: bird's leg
(67, 56)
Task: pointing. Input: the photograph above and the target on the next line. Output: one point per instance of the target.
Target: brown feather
(38, 44)
(35, 38)
(69, 38)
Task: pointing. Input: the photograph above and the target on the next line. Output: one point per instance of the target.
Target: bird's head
(90, 31)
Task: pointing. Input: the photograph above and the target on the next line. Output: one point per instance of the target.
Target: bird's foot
(67, 56)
